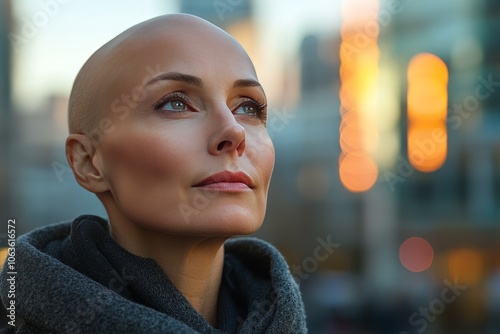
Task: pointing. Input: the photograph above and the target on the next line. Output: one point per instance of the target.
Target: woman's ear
(80, 155)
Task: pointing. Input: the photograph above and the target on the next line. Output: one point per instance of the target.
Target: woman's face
(185, 148)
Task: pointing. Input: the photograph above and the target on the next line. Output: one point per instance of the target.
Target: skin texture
(142, 137)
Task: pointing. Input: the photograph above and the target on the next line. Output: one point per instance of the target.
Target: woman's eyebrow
(176, 76)
(246, 83)
(195, 81)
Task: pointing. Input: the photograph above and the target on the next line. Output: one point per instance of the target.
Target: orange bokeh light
(3, 255)
(427, 146)
(427, 103)
(466, 265)
(357, 173)
(357, 134)
(359, 72)
(416, 254)
(427, 110)
(425, 66)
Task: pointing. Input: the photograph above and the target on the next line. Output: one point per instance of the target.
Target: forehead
(206, 53)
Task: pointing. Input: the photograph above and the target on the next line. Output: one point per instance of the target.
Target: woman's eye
(252, 108)
(175, 105)
(176, 102)
(246, 109)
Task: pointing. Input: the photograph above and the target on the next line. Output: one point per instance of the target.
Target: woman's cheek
(261, 153)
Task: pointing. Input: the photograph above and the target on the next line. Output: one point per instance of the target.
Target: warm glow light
(3, 255)
(357, 135)
(427, 102)
(357, 173)
(427, 106)
(359, 77)
(427, 65)
(416, 254)
(466, 265)
(427, 148)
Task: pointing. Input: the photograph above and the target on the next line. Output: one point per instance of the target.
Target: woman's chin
(226, 224)
(235, 221)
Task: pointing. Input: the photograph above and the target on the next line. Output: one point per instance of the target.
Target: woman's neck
(193, 264)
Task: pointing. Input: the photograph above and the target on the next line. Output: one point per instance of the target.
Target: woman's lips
(227, 181)
(226, 186)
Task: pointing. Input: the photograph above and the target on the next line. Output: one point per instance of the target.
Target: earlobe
(80, 154)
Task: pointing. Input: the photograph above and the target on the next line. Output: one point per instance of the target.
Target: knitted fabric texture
(72, 277)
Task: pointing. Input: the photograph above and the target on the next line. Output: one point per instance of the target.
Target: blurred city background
(385, 116)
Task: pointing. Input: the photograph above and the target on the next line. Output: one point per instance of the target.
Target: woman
(167, 128)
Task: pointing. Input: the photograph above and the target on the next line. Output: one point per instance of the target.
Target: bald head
(103, 78)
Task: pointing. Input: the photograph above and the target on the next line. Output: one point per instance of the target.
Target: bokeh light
(428, 146)
(356, 135)
(357, 173)
(416, 254)
(3, 255)
(427, 65)
(427, 109)
(359, 78)
(466, 265)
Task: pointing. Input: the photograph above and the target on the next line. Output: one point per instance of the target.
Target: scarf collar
(74, 278)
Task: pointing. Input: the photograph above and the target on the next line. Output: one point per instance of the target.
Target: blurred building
(5, 57)
(488, 30)
(463, 190)
(222, 13)
(5, 106)
(5, 114)
(455, 208)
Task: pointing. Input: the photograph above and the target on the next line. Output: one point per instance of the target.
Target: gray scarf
(73, 278)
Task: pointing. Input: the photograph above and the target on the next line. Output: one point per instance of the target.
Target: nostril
(221, 145)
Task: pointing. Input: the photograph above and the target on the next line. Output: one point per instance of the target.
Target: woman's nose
(227, 135)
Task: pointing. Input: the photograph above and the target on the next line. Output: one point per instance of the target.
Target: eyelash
(259, 105)
(172, 97)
